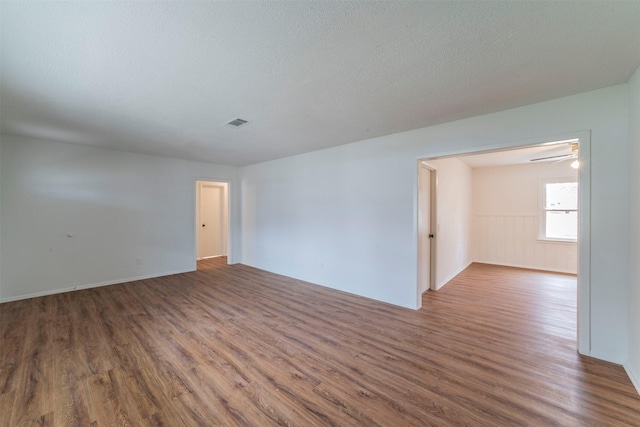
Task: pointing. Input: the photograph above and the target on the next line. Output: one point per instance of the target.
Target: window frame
(542, 209)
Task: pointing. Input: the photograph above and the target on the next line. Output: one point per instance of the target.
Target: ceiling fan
(561, 157)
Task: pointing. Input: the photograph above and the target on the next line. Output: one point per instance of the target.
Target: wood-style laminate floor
(232, 345)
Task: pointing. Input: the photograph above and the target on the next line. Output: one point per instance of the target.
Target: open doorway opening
(212, 219)
(544, 210)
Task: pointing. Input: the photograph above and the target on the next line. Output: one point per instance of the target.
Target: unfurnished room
(318, 213)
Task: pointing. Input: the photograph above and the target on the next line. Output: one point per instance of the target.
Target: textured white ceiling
(163, 77)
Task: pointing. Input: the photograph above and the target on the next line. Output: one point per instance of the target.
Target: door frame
(224, 219)
(584, 219)
(196, 213)
(433, 224)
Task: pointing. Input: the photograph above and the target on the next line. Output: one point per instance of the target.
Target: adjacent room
(319, 213)
(515, 207)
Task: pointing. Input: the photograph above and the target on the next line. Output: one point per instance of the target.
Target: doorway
(583, 235)
(212, 219)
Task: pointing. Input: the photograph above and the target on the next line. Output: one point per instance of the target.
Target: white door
(211, 221)
(424, 227)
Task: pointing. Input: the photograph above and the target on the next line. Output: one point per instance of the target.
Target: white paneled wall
(512, 240)
(505, 218)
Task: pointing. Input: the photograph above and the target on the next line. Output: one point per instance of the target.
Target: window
(559, 219)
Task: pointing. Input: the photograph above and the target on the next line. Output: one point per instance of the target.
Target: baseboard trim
(93, 285)
(633, 376)
(528, 267)
(451, 276)
(333, 287)
(606, 356)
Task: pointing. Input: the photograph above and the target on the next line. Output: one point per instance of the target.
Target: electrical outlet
(139, 261)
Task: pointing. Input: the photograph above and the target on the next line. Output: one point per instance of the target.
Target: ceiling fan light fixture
(560, 157)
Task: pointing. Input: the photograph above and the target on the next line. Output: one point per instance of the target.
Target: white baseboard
(528, 267)
(313, 281)
(633, 376)
(606, 356)
(451, 276)
(92, 285)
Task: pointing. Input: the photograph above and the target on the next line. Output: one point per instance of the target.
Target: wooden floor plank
(236, 346)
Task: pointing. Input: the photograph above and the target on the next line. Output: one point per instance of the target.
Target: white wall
(334, 217)
(453, 234)
(345, 217)
(117, 206)
(1, 233)
(633, 361)
(506, 213)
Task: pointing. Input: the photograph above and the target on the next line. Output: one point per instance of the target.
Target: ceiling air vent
(238, 122)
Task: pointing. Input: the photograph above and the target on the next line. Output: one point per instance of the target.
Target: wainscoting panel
(512, 240)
